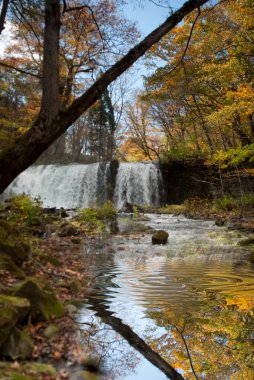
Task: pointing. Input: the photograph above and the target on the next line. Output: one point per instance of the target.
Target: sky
(148, 16)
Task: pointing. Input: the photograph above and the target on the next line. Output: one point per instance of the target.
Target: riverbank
(43, 280)
(225, 211)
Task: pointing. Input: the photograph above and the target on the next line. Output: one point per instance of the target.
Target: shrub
(248, 199)
(226, 203)
(96, 218)
(25, 209)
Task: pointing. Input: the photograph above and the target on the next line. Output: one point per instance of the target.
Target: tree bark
(46, 130)
(3, 14)
(50, 82)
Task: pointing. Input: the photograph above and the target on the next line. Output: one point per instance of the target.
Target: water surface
(190, 300)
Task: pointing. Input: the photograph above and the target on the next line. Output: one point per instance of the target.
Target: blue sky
(148, 16)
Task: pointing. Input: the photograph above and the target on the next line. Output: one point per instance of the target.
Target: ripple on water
(200, 277)
(199, 258)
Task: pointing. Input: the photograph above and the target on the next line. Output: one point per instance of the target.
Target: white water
(77, 185)
(138, 184)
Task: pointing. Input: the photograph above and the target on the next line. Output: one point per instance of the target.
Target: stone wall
(183, 180)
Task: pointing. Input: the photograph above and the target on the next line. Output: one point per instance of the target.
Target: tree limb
(188, 42)
(79, 8)
(19, 70)
(3, 14)
(134, 340)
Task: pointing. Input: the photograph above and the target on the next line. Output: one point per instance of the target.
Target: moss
(159, 237)
(43, 300)
(18, 376)
(18, 346)
(52, 260)
(67, 230)
(12, 244)
(51, 330)
(246, 242)
(40, 368)
(76, 240)
(7, 264)
(84, 375)
(8, 319)
(20, 304)
(172, 209)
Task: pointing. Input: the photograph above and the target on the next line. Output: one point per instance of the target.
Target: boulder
(19, 345)
(67, 230)
(11, 243)
(246, 242)
(219, 222)
(160, 237)
(76, 240)
(21, 305)
(8, 265)
(8, 319)
(131, 227)
(84, 375)
(63, 213)
(51, 330)
(44, 303)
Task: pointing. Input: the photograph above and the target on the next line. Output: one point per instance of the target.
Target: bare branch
(27, 24)
(19, 70)
(188, 42)
(3, 14)
(181, 333)
(79, 8)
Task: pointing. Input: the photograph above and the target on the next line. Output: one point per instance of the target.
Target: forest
(126, 190)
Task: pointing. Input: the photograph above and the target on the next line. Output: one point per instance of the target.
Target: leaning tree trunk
(46, 130)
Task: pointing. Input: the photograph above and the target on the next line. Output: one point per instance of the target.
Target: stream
(191, 301)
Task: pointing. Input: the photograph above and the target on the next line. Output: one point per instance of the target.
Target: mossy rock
(160, 237)
(92, 362)
(7, 264)
(18, 376)
(19, 345)
(134, 227)
(74, 286)
(76, 240)
(71, 309)
(12, 244)
(67, 230)
(84, 375)
(51, 330)
(44, 302)
(20, 304)
(52, 260)
(8, 319)
(40, 368)
(246, 242)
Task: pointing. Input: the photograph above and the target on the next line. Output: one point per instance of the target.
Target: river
(191, 301)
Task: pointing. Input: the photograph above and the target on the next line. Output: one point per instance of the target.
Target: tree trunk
(46, 130)
(50, 82)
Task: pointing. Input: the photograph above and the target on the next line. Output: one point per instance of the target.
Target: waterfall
(79, 185)
(138, 183)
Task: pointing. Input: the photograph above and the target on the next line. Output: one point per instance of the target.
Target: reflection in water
(192, 300)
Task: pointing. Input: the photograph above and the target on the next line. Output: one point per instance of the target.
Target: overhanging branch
(3, 14)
